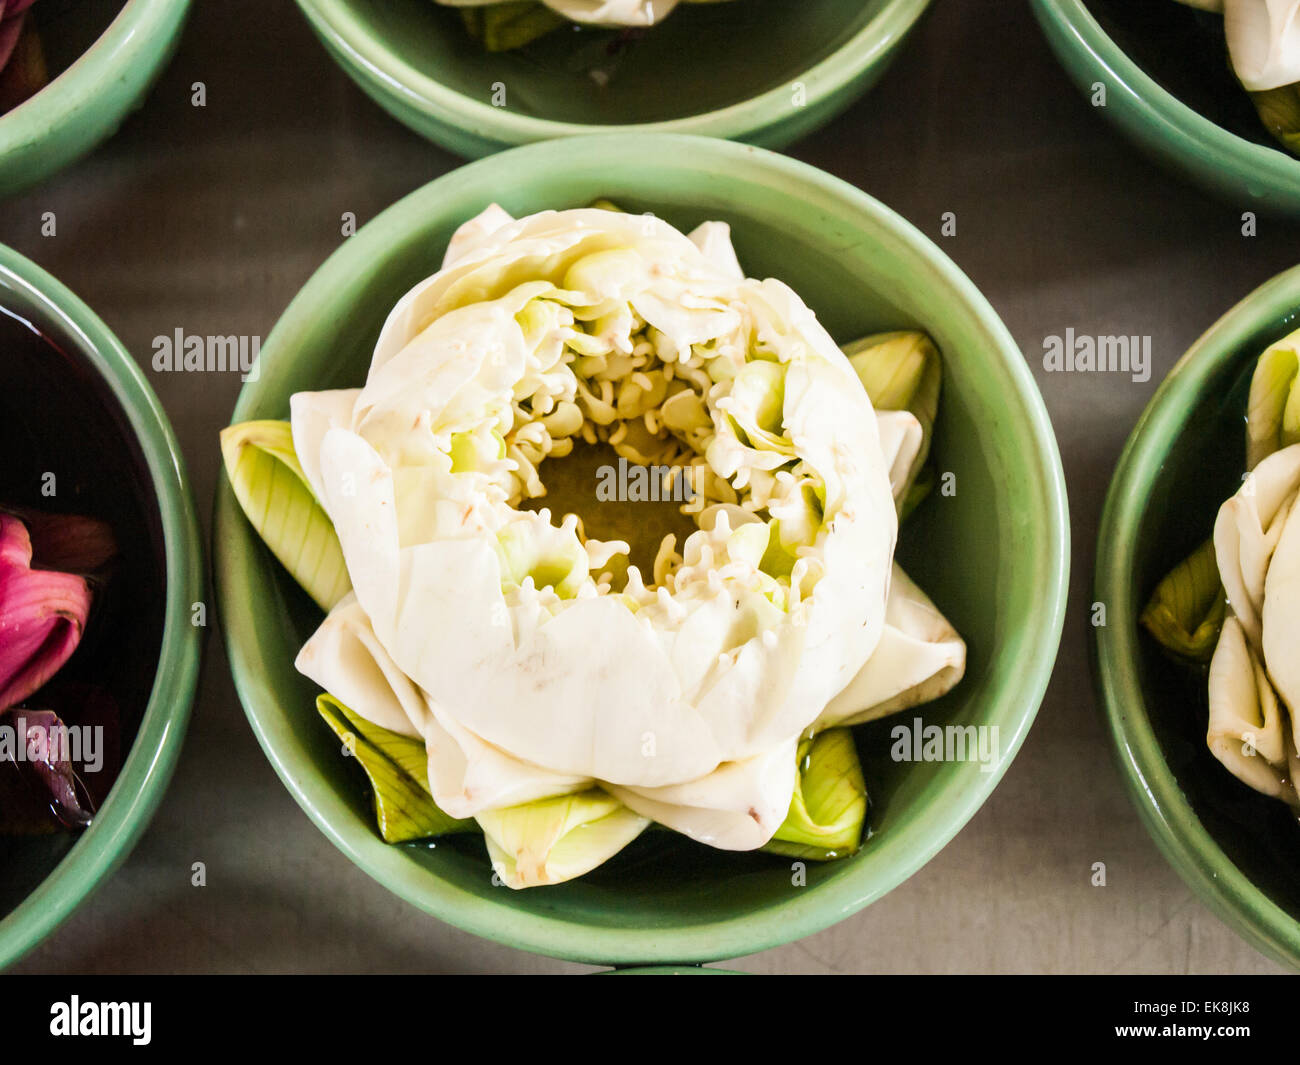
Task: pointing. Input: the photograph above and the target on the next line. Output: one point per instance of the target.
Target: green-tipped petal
(829, 805)
(1186, 610)
(553, 840)
(397, 766)
(1273, 415)
(272, 489)
(902, 371)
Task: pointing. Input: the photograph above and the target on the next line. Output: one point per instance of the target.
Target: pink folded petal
(42, 616)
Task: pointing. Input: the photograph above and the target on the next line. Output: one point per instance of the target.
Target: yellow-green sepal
(272, 489)
(1279, 110)
(829, 807)
(511, 24)
(902, 371)
(1186, 610)
(397, 767)
(1273, 411)
(553, 840)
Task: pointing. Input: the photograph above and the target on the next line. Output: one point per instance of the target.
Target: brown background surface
(211, 220)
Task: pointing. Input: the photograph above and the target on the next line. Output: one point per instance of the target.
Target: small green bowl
(762, 71)
(85, 104)
(1252, 173)
(43, 879)
(994, 555)
(1236, 849)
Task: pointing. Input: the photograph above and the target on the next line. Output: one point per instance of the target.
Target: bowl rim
(152, 758)
(1152, 785)
(131, 43)
(334, 22)
(1216, 156)
(804, 913)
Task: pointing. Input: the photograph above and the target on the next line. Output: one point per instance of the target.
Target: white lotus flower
(1255, 673)
(496, 635)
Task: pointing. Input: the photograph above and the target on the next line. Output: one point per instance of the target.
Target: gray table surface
(211, 219)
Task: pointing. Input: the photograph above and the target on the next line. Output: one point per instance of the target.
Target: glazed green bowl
(993, 552)
(106, 54)
(762, 71)
(84, 412)
(1236, 849)
(1170, 89)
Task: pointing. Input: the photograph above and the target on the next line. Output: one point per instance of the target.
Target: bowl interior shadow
(719, 54)
(986, 552)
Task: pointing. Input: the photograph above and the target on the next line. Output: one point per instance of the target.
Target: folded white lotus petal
(344, 657)
(1247, 532)
(1281, 613)
(738, 807)
(714, 240)
(919, 658)
(1249, 732)
(312, 415)
(1264, 41)
(469, 235)
(901, 437)
(469, 776)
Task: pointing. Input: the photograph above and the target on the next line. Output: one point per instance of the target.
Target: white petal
(737, 807)
(1264, 41)
(313, 415)
(472, 234)
(901, 436)
(1247, 732)
(344, 657)
(919, 658)
(1247, 531)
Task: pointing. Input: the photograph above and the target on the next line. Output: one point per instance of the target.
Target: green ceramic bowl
(1238, 850)
(763, 71)
(1170, 91)
(152, 664)
(88, 100)
(994, 556)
